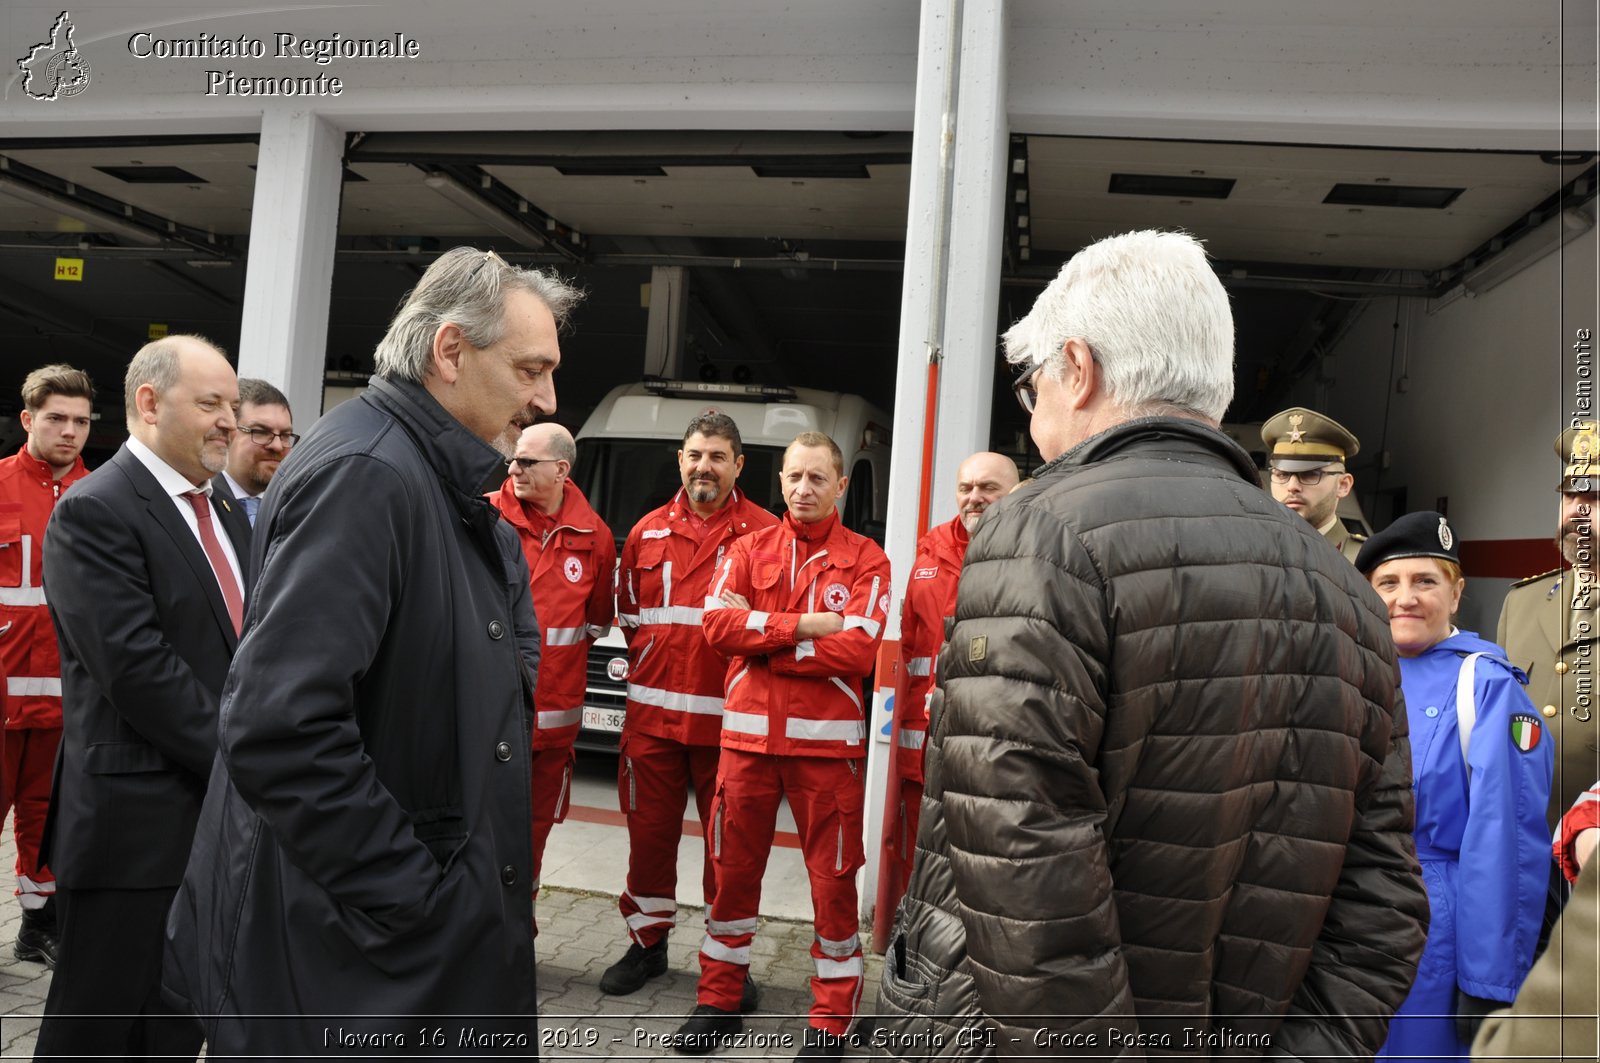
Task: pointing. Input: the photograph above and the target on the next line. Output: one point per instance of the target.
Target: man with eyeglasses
(265, 434)
(572, 557)
(1306, 458)
(1167, 804)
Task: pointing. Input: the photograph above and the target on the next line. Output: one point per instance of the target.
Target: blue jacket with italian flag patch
(1481, 836)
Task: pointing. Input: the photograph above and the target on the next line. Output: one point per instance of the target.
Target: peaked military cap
(1299, 440)
(1579, 450)
(1424, 534)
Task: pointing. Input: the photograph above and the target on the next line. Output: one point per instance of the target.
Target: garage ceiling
(702, 195)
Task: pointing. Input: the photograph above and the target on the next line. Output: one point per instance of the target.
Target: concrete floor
(580, 934)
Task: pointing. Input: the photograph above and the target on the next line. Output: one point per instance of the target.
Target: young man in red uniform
(981, 481)
(799, 609)
(673, 733)
(571, 554)
(56, 402)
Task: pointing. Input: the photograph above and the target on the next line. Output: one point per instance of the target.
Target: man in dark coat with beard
(363, 853)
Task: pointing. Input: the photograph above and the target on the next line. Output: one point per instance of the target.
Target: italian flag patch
(1525, 731)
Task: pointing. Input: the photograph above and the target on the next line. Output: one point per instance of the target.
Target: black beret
(1425, 534)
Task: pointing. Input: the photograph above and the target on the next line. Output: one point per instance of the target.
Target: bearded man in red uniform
(56, 413)
(981, 481)
(673, 733)
(798, 609)
(571, 554)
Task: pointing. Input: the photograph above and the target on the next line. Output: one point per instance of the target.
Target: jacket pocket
(124, 758)
(764, 574)
(442, 830)
(900, 983)
(13, 546)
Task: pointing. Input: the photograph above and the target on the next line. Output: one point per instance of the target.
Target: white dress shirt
(176, 485)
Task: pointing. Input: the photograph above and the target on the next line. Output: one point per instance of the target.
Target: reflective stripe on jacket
(30, 661)
(674, 677)
(930, 599)
(791, 697)
(572, 566)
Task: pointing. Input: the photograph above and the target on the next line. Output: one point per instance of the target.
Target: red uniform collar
(43, 470)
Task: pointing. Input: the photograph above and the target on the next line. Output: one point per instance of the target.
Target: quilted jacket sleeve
(1365, 959)
(1019, 733)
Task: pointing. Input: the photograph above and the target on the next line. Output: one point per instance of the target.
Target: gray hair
(1155, 315)
(156, 364)
(468, 288)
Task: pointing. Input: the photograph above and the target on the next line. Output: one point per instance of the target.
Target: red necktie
(219, 560)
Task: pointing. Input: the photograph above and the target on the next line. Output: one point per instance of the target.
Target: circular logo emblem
(836, 596)
(67, 74)
(1445, 537)
(617, 669)
(572, 569)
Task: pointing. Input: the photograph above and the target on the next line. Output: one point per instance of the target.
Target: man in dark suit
(146, 591)
(266, 432)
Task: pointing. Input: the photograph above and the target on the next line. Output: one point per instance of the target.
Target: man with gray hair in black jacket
(1168, 805)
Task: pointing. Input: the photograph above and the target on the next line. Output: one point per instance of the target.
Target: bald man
(571, 554)
(981, 481)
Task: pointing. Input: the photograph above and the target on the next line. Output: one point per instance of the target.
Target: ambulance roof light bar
(697, 389)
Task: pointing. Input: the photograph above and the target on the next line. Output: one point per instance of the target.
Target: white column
(947, 305)
(919, 302)
(977, 222)
(294, 223)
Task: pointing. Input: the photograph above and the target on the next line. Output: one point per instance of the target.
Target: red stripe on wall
(788, 839)
(1508, 558)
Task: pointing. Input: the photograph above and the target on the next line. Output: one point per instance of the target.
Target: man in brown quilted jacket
(1168, 806)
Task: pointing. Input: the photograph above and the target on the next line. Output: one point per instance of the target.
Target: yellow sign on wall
(155, 331)
(69, 269)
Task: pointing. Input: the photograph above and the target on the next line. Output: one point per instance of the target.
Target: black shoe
(707, 1028)
(750, 997)
(820, 1044)
(636, 968)
(36, 938)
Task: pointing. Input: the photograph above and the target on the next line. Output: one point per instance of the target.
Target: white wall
(1490, 387)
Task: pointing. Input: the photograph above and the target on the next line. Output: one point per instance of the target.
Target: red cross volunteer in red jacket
(572, 556)
(799, 609)
(56, 401)
(673, 732)
(982, 480)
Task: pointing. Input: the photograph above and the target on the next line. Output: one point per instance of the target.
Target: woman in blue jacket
(1481, 833)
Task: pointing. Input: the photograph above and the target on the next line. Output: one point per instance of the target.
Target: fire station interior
(791, 244)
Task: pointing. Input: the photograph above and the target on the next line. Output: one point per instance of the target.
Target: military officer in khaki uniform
(1306, 453)
(1549, 626)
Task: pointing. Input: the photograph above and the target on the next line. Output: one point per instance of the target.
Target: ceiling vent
(1419, 197)
(153, 175)
(1150, 184)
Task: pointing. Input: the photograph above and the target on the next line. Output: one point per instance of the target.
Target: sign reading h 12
(69, 269)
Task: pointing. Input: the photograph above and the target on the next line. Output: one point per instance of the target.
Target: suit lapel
(163, 510)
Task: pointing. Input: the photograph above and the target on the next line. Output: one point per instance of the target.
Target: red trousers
(26, 762)
(653, 779)
(552, 795)
(826, 795)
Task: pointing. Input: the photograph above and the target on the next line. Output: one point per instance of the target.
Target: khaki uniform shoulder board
(1536, 579)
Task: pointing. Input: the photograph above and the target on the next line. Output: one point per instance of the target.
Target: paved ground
(578, 939)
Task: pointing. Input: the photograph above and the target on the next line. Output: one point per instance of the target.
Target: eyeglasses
(1309, 478)
(488, 257)
(526, 463)
(1025, 390)
(263, 437)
